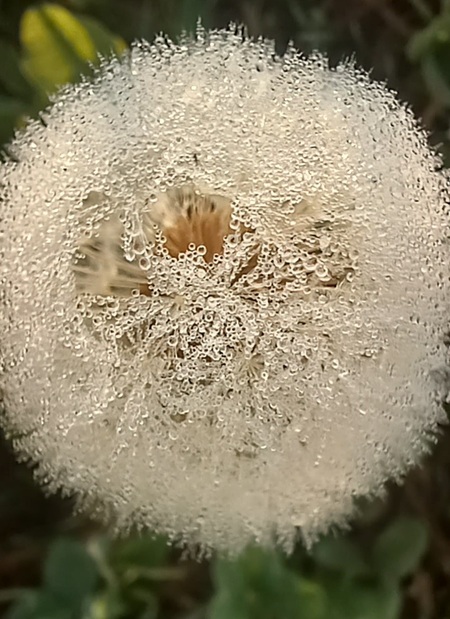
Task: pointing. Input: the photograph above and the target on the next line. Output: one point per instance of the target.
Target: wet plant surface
(395, 559)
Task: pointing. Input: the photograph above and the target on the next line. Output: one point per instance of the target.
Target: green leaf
(146, 551)
(338, 553)
(437, 33)
(258, 585)
(70, 573)
(38, 605)
(399, 548)
(107, 605)
(311, 599)
(353, 600)
(58, 46)
(226, 605)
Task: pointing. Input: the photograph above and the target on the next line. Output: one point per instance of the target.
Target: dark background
(395, 560)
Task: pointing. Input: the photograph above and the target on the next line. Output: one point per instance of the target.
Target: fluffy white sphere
(224, 287)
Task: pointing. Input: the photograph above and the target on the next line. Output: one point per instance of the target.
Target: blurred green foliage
(46, 45)
(429, 47)
(56, 47)
(105, 579)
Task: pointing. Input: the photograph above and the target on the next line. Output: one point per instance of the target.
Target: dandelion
(223, 291)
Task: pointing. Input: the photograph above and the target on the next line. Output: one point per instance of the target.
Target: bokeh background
(394, 560)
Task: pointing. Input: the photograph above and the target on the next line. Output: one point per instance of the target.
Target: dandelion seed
(224, 289)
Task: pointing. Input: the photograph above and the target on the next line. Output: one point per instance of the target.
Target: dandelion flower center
(199, 221)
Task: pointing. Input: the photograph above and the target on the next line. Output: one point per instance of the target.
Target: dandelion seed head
(224, 287)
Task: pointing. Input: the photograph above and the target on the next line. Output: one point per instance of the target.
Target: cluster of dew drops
(211, 339)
